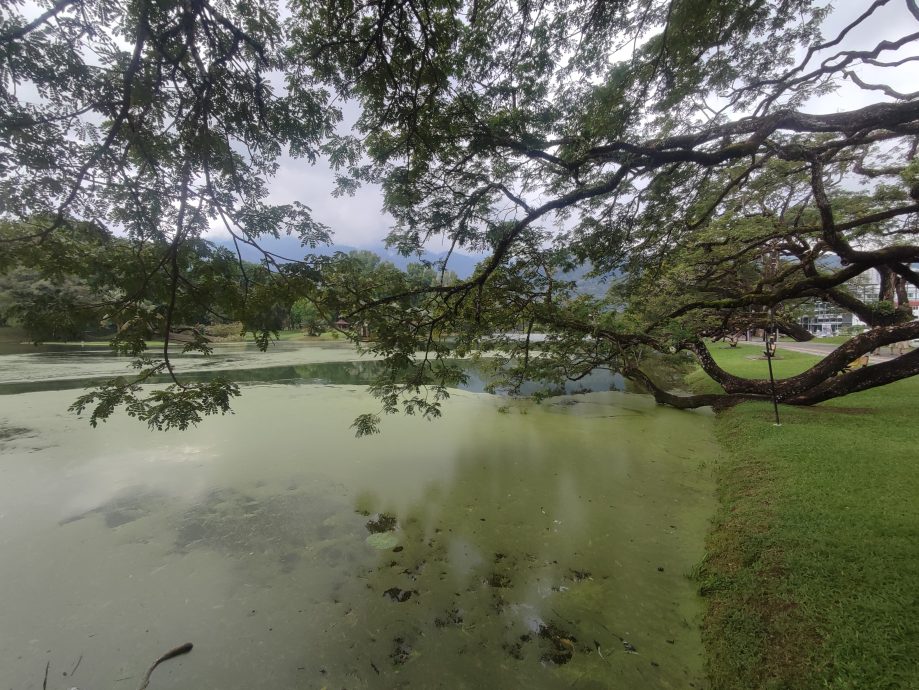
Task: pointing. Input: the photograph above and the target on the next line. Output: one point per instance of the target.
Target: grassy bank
(812, 573)
(18, 336)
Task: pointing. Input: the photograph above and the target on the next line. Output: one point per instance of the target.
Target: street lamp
(770, 346)
(770, 353)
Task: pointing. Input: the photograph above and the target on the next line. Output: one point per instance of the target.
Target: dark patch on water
(277, 527)
(499, 580)
(8, 433)
(453, 617)
(399, 595)
(402, 651)
(125, 507)
(414, 572)
(515, 649)
(558, 644)
(229, 520)
(381, 522)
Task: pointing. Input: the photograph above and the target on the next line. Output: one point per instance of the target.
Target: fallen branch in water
(171, 654)
(76, 666)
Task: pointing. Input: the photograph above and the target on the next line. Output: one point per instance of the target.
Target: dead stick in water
(76, 665)
(44, 684)
(171, 654)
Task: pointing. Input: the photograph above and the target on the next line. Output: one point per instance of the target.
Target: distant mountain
(290, 248)
(595, 286)
(461, 264)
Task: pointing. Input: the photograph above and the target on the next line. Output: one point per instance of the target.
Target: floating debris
(399, 595)
(415, 571)
(402, 651)
(452, 617)
(381, 522)
(515, 650)
(562, 649)
(499, 580)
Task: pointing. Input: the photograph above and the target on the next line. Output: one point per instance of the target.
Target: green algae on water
(382, 540)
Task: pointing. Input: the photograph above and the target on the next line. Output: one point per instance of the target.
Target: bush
(225, 331)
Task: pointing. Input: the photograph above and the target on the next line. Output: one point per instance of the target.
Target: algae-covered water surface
(503, 546)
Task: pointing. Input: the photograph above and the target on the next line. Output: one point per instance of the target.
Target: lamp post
(770, 353)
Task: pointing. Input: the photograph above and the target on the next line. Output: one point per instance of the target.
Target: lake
(505, 545)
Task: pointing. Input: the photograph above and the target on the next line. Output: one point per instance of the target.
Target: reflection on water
(56, 367)
(538, 547)
(72, 367)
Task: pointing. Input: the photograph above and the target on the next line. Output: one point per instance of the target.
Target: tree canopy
(672, 144)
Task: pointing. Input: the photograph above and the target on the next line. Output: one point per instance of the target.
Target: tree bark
(825, 380)
(686, 402)
(860, 379)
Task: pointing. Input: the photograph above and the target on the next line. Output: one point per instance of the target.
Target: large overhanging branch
(736, 322)
(655, 154)
(902, 367)
(795, 386)
(824, 381)
(686, 147)
(25, 29)
(689, 402)
(802, 287)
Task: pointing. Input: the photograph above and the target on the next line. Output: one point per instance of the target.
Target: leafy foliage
(174, 407)
(582, 133)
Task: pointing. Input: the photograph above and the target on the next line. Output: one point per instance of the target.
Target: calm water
(505, 546)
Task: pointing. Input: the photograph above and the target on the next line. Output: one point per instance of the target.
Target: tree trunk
(886, 288)
(900, 288)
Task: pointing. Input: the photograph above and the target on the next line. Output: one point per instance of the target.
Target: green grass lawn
(834, 339)
(812, 566)
(750, 363)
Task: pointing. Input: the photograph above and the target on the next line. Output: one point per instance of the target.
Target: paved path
(812, 348)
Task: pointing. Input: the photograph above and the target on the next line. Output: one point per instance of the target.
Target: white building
(867, 291)
(827, 318)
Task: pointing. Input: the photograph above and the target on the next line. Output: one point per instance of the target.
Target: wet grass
(812, 571)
